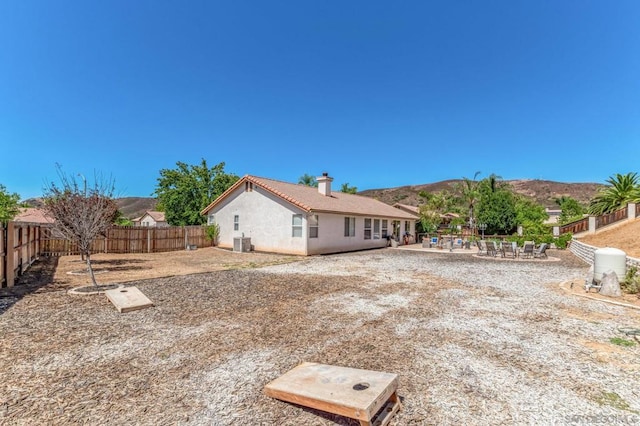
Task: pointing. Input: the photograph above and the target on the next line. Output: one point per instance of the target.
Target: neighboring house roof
(411, 209)
(32, 215)
(156, 216)
(308, 199)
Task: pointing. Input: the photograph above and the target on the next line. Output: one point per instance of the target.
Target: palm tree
(307, 180)
(469, 194)
(623, 189)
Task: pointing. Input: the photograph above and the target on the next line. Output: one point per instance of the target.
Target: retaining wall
(586, 253)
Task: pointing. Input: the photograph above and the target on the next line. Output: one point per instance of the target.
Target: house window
(367, 229)
(376, 229)
(313, 226)
(297, 225)
(236, 222)
(385, 228)
(212, 219)
(407, 227)
(349, 226)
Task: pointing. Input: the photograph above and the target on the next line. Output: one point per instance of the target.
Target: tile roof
(408, 208)
(310, 200)
(32, 215)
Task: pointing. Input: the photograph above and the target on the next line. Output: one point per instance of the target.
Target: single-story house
(291, 218)
(151, 218)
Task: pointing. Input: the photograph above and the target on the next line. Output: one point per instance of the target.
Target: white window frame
(376, 229)
(236, 222)
(385, 228)
(367, 228)
(314, 225)
(349, 226)
(211, 219)
(296, 228)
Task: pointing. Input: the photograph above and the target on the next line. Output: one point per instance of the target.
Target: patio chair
(509, 250)
(482, 248)
(492, 248)
(434, 241)
(541, 252)
(527, 250)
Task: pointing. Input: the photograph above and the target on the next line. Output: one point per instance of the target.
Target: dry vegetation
(625, 237)
(475, 341)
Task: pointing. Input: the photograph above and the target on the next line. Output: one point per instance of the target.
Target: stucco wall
(331, 237)
(265, 219)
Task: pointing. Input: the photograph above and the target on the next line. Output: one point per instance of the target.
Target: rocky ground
(474, 341)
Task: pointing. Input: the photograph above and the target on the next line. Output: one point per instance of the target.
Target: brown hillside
(131, 207)
(544, 192)
(624, 237)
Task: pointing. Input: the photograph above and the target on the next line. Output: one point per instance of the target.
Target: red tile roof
(310, 200)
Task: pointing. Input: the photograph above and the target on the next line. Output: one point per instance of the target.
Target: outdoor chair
(492, 248)
(527, 250)
(509, 249)
(434, 241)
(541, 252)
(482, 248)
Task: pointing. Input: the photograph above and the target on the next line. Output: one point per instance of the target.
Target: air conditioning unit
(242, 244)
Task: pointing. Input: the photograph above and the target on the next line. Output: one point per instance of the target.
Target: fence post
(148, 240)
(186, 238)
(11, 243)
(592, 224)
(631, 211)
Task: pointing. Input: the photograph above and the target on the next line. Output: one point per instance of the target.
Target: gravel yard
(474, 341)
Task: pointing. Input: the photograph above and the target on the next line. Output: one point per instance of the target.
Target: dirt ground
(474, 341)
(625, 237)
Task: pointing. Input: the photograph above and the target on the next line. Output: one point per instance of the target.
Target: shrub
(212, 233)
(631, 282)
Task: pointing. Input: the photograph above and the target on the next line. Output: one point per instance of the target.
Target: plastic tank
(609, 259)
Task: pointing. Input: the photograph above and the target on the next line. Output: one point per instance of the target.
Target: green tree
(623, 189)
(530, 215)
(184, 191)
(348, 189)
(308, 180)
(469, 194)
(497, 206)
(433, 206)
(9, 205)
(572, 210)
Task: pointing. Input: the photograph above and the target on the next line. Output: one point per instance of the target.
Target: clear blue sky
(379, 94)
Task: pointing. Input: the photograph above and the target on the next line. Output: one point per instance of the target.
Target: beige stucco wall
(265, 219)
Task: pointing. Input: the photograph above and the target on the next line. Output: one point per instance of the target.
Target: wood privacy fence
(19, 248)
(130, 239)
(22, 243)
(581, 225)
(608, 219)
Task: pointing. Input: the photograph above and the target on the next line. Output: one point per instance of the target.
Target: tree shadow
(116, 262)
(39, 275)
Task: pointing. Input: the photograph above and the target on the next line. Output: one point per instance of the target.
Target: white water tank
(609, 259)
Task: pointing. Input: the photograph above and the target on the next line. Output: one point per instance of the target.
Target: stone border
(98, 272)
(88, 293)
(563, 285)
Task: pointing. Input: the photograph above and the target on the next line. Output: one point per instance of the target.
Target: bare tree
(81, 213)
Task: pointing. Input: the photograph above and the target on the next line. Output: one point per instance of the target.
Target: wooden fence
(129, 239)
(581, 225)
(608, 219)
(19, 248)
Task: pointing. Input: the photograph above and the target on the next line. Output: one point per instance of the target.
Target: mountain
(131, 207)
(543, 192)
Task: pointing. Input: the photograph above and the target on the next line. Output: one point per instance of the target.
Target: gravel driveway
(474, 341)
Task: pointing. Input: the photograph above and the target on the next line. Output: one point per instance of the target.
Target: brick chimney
(324, 184)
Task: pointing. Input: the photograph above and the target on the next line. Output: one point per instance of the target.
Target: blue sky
(378, 94)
